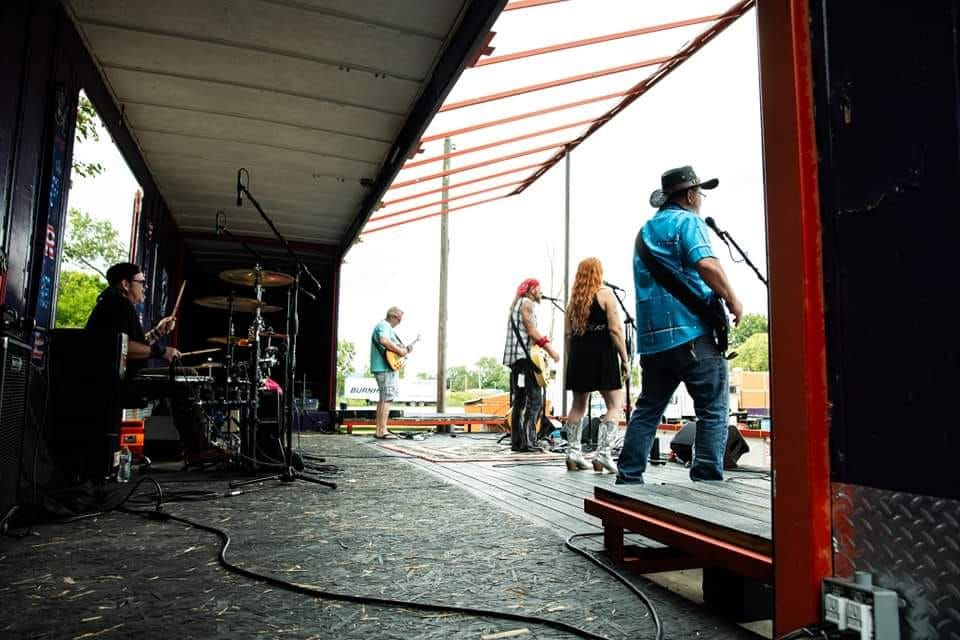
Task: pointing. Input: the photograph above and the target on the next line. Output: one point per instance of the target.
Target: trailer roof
(320, 100)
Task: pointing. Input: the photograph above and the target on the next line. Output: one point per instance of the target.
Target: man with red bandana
(526, 395)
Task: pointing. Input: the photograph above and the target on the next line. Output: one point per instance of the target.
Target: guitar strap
(664, 276)
(516, 332)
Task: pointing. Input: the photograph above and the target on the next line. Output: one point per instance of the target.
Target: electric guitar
(546, 371)
(396, 361)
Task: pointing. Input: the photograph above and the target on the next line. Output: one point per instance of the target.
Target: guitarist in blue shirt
(681, 327)
(384, 339)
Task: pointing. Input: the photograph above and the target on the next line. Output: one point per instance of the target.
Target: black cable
(619, 576)
(359, 599)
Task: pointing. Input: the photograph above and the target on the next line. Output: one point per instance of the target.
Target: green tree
(346, 351)
(750, 324)
(493, 375)
(92, 244)
(458, 378)
(753, 354)
(76, 294)
(88, 128)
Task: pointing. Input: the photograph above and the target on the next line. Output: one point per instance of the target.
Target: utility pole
(444, 256)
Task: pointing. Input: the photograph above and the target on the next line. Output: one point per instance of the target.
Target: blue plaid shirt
(678, 238)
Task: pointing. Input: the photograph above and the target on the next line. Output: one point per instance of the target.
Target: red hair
(585, 285)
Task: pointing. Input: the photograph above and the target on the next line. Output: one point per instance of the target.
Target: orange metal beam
(725, 20)
(526, 4)
(434, 215)
(435, 203)
(521, 116)
(802, 524)
(458, 185)
(477, 165)
(497, 143)
(595, 40)
(553, 83)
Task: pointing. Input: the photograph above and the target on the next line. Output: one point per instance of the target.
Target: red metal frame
(711, 551)
(433, 215)
(450, 187)
(477, 165)
(444, 201)
(798, 381)
(453, 106)
(726, 19)
(573, 44)
(522, 116)
(497, 143)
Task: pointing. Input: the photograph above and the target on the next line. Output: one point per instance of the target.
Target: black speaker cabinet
(682, 445)
(14, 377)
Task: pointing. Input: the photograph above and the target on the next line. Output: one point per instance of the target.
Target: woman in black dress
(596, 361)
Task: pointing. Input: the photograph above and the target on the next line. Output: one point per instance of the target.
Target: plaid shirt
(513, 350)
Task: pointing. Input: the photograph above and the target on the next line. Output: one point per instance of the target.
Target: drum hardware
(239, 305)
(256, 277)
(293, 467)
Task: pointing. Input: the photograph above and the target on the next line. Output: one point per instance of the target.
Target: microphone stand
(726, 236)
(629, 330)
(289, 473)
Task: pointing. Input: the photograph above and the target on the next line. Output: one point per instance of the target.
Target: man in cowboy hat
(526, 395)
(675, 343)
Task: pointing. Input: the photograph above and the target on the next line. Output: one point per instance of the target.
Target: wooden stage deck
(545, 492)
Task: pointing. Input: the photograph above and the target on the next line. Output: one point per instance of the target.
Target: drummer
(115, 311)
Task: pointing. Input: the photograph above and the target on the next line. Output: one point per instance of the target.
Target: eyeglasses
(142, 282)
(702, 194)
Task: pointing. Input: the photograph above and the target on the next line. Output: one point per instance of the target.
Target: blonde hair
(394, 311)
(585, 285)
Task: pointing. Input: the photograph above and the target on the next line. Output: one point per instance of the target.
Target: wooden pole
(444, 258)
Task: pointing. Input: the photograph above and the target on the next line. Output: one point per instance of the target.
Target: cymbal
(273, 334)
(238, 342)
(248, 277)
(208, 365)
(241, 305)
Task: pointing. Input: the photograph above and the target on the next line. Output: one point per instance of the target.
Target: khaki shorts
(388, 381)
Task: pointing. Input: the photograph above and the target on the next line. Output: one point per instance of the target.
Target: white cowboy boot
(575, 459)
(603, 459)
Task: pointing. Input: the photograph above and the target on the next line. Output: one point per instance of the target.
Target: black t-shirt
(113, 312)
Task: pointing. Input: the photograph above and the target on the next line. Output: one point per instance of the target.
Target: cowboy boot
(575, 459)
(603, 459)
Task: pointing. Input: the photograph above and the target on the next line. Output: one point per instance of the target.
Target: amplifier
(14, 377)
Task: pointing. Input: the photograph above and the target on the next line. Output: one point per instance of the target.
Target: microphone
(551, 299)
(613, 286)
(221, 226)
(713, 225)
(239, 188)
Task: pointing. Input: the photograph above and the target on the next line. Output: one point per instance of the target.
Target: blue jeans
(700, 366)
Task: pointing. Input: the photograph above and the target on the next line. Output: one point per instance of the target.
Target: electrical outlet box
(861, 607)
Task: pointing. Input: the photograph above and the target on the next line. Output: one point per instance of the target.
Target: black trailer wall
(43, 66)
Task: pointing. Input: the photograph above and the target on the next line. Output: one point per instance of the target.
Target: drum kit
(248, 365)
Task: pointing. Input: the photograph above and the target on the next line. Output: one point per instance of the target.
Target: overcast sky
(706, 113)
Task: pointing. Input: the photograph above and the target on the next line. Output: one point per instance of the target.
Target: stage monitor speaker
(682, 445)
(14, 377)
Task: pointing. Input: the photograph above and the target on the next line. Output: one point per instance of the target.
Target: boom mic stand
(723, 235)
(629, 330)
(289, 473)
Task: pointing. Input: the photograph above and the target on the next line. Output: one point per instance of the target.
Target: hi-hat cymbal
(238, 342)
(248, 277)
(241, 305)
(209, 365)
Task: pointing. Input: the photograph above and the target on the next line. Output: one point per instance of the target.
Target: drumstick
(176, 305)
(196, 353)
